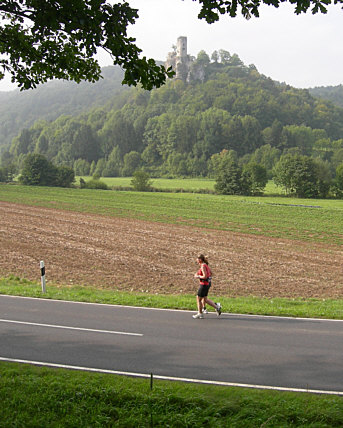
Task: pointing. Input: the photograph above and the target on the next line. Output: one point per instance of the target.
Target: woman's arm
(204, 273)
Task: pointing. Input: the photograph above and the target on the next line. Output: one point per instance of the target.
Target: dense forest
(181, 128)
(330, 93)
(21, 109)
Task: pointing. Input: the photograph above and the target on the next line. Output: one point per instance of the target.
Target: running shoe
(218, 308)
(205, 311)
(198, 316)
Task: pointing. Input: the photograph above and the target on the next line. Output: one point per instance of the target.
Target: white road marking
(171, 378)
(71, 328)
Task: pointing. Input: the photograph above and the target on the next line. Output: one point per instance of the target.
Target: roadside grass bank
(277, 217)
(39, 397)
(303, 308)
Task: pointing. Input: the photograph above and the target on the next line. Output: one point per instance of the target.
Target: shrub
(302, 176)
(65, 176)
(141, 181)
(228, 174)
(95, 184)
(256, 178)
(38, 171)
(7, 173)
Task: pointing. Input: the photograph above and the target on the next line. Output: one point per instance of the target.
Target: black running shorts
(203, 290)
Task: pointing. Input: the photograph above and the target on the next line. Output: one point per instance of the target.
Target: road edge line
(171, 378)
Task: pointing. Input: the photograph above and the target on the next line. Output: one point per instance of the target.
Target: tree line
(188, 129)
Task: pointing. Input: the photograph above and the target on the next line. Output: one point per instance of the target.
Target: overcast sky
(303, 51)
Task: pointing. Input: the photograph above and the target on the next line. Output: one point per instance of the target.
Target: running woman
(203, 275)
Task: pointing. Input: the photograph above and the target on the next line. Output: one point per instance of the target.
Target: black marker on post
(42, 271)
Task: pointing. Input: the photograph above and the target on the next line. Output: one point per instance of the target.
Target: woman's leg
(199, 304)
(209, 301)
(216, 306)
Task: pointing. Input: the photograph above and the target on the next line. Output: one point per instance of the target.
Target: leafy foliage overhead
(44, 39)
(212, 9)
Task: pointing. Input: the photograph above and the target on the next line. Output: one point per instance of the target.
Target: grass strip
(306, 308)
(170, 184)
(196, 185)
(44, 397)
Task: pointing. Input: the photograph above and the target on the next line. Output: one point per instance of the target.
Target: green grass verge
(308, 220)
(44, 397)
(309, 308)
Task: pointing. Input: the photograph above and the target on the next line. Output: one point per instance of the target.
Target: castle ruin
(184, 65)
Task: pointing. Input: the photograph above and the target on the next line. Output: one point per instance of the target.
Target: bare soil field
(131, 255)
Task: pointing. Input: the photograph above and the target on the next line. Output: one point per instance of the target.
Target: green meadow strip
(305, 308)
(44, 397)
(280, 217)
(177, 184)
(172, 184)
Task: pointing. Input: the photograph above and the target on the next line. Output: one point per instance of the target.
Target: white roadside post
(42, 271)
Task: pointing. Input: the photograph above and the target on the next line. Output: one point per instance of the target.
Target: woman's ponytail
(203, 258)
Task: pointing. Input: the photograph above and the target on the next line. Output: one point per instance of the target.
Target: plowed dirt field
(126, 254)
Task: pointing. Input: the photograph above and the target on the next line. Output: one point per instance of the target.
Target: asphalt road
(234, 349)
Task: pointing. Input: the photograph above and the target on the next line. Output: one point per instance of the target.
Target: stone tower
(183, 64)
(179, 60)
(181, 47)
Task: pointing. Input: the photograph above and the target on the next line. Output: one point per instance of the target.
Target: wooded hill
(21, 109)
(176, 129)
(329, 93)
